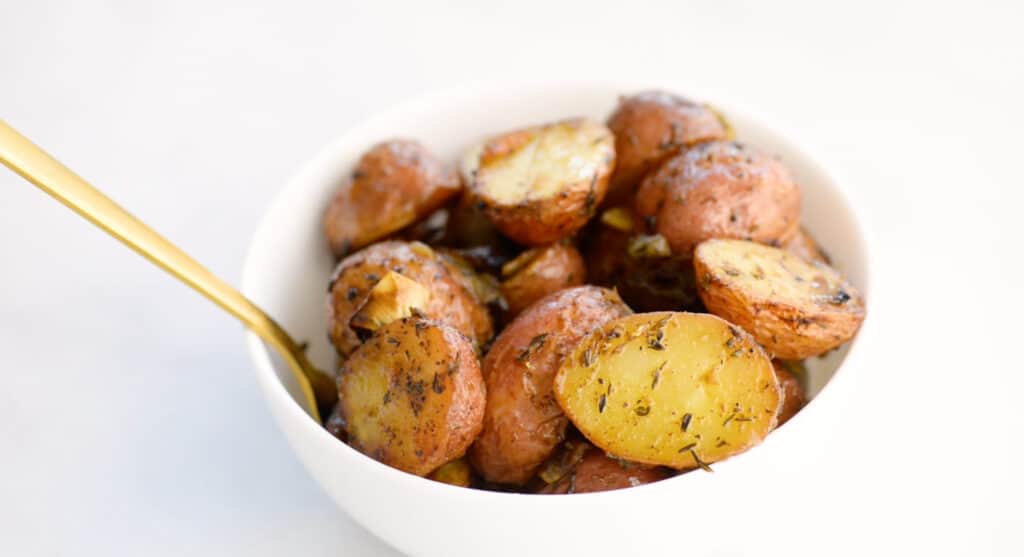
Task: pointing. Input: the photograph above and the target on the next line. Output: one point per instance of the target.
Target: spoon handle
(39, 168)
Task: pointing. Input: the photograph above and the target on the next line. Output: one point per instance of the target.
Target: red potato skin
(805, 246)
(793, 397)
(553, 268)
(451, 300)
(523, 423)
(599, 472)
(394, 184)
(720, 189)
(649, 127)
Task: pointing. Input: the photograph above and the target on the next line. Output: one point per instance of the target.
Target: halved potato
(412, 396)
(720, 189)
(804, 245)
(393, 297)
(538, 272)
(596, 471)
(456, 472)
(541, 184)
(394, 184)
(681, 390)
(451, 299)
(651, 126)
(794, 308)
(793, 397)
(523, 424)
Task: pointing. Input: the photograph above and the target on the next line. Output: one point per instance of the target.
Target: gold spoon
(36, 166)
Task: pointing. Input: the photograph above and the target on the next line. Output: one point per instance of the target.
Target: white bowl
(741, 508)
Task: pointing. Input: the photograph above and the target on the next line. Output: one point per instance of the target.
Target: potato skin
(523, 423)
(793, 397)
(451, 299)
(673, 389)
(804, 245)
(600, 472)
(559, 197)
(412, 395)
(395, 183)
(651, 126)
(720, 189)
(539, 272)
(794, 308)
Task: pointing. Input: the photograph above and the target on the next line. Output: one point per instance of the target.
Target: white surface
(130, 421)
(288, 265)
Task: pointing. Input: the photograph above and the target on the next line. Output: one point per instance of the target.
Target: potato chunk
(794, 308)
(394, 184)
(412, 396)
(456, 472)
(523, 424)
(681, 390)
(596, 471)
(793, 397)
(541, 184)
(538, 272)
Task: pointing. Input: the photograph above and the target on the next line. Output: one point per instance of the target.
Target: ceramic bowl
(740, 508)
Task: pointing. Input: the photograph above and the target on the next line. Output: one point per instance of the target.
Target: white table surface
(129, 419)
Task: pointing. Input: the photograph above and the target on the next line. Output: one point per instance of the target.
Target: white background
(129, 419)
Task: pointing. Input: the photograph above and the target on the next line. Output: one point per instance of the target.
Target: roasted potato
(794, 308)
(720, 189)
(538, 272)
(523, 424)
(793, 397)
(596, 471)
(641, 267)
(651, 126)
(393, 297)
(394, 184)
(451, 299)
(681, 390)
(456, 472)
(541, 184)
(412, 395)
(804, 245)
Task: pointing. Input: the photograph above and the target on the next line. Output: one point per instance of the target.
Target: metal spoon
(35, 165)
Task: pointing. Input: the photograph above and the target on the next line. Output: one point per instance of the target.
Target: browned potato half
(642, 267)
(651, 126)
(394, 184)
(541, 184)
(794, 308)
(538, 272)
(456, 472)
(720, 189)
(523, 424)
(451, 299)
(793, 397)
(393, 297)
(412, 395)
(681, 390)
(804, 245)
(597, 471)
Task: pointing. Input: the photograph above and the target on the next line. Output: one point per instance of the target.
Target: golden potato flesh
(681, 390)
(393, 297)
(456, 472)
(541, 184)
(394, 184)
(796, 309)
(412, 396)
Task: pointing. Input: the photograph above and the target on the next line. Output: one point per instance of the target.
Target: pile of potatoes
(579, 306)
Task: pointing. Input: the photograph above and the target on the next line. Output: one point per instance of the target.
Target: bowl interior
(289, 262)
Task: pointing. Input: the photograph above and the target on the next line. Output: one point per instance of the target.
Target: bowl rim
(826, 167)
